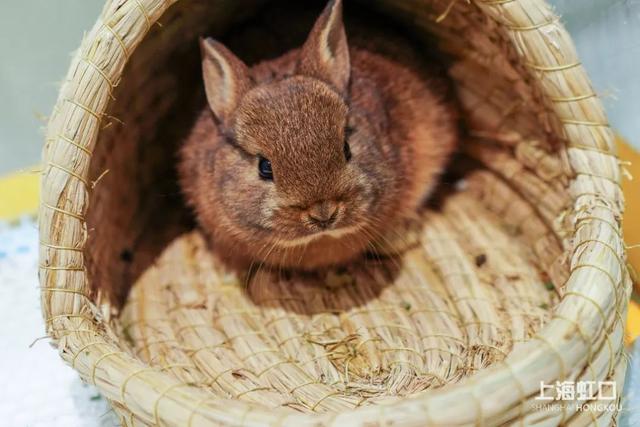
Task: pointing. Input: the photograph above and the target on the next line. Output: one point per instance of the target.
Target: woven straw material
(518, 278)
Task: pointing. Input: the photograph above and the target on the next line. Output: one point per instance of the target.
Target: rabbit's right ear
(226, 78)
(325, 54)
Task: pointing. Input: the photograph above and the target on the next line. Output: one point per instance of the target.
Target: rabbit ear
(325, 54)
(226, 78)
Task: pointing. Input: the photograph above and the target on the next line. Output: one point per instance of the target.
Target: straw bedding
(516, 276)
(466, 295)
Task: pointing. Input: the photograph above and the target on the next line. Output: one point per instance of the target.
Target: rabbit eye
(347, 151)
(264, 168)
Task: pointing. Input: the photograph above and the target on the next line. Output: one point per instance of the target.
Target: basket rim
(591, 305)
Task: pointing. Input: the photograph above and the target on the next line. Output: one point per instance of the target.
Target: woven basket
(517, 279)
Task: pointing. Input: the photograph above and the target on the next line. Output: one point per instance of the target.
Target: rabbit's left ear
(226, 78)
(325, 54)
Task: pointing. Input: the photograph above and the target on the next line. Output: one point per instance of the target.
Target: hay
(519, 278)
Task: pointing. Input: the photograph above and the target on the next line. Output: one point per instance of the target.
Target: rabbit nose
(323, 214)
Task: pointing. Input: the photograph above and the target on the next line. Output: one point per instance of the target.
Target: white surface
(630, 415)
(36, 388)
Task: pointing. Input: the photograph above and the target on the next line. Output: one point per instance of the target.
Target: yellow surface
(633, 322)
(631, 189)
(631, 229)
(19, 196)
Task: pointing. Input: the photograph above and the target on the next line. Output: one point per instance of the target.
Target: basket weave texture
(518, 278)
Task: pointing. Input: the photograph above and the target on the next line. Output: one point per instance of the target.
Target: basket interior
(452, 295)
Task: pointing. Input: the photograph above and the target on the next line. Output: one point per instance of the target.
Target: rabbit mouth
(334, 233)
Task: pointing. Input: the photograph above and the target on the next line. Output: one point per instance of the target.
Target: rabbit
(306, 160)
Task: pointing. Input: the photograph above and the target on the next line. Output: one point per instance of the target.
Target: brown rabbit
(305, 160)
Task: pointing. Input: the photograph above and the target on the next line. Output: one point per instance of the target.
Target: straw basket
(515, 282)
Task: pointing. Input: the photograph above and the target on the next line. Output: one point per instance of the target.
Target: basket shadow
(328, 291)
